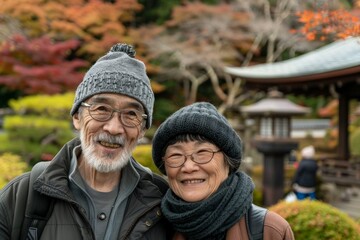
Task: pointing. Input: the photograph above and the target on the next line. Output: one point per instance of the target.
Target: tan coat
(275, 228)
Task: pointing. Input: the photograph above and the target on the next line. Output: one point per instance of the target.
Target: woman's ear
(76, 120)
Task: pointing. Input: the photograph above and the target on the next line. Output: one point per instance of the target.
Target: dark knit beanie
(117, 72)
(203, 119)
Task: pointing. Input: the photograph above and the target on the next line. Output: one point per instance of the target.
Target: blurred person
(97, 188)
(304, 182)
(209, 197)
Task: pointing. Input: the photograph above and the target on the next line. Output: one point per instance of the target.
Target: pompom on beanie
(117, 72)
(200, 118)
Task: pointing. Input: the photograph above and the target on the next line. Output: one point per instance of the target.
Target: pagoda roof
(334, 64)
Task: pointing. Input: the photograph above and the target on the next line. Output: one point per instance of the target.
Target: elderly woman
(209, 198)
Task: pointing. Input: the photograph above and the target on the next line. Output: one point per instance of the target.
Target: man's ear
(142, 133)
(76, 121)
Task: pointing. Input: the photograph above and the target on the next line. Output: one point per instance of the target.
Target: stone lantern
(273, 115)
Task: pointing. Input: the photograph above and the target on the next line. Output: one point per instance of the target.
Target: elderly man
(96, 189)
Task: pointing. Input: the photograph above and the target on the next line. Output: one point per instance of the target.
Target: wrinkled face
(107, 145)
(194, 182)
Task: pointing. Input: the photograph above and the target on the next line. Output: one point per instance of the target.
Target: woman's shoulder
(276, 227)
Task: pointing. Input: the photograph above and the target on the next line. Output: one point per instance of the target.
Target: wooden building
(332, 70)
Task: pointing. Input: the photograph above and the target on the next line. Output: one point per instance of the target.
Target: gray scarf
(212, 217)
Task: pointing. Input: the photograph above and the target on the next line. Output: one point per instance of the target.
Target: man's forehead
(116, 100)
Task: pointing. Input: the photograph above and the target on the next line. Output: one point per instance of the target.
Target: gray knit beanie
(117, 72)
(200, 118)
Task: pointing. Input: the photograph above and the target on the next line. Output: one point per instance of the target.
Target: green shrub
(142, 154)
(317, 220)
(41, 126)
(35, 136)
(258, 197)
(54, 106)
(11, 166)
(355, 142)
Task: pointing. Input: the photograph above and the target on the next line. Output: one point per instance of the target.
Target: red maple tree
(39, 65)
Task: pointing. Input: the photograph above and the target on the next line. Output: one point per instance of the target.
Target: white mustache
(104, 137)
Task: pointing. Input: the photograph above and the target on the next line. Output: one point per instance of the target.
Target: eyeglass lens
(102, 113)
(200, 157)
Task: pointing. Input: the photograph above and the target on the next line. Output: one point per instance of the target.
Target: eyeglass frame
(185, 157)
(121, 111)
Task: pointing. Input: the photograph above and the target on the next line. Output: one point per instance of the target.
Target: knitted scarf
(212, 217)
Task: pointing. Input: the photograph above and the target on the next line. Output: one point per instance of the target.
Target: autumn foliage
(39, 65)
(328, 24)
(191, 48)
(97, 24)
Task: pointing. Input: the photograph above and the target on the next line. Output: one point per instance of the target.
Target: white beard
(105, 163)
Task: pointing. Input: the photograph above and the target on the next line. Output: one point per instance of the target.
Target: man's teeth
(111, 145)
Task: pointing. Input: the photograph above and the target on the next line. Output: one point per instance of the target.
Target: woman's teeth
(193, 181)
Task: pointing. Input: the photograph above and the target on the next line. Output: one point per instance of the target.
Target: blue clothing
(302, 196)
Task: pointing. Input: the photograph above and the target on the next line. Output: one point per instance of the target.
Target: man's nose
(114, 125)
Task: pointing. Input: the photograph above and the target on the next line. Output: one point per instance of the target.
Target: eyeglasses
(103, 113)
(202, 156)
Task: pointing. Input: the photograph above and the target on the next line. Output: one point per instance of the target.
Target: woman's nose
(189, 165)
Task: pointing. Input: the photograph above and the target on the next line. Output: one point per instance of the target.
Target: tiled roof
(275, 106)
(338, 55)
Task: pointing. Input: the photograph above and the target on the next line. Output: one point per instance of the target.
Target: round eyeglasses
(104, 112)
(175, 160)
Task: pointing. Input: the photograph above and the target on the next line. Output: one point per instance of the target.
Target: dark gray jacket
(142, 219)
(305, 175)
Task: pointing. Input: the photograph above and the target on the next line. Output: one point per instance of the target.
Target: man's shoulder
(18, 184)
(147, 175)
(161, 183)
(13, 201)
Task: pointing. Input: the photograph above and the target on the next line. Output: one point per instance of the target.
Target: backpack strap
(255, 219)
(38, 207)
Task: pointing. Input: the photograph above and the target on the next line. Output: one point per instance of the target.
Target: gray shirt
(108, 229)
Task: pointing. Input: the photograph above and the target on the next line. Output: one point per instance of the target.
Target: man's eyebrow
(136, 105)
